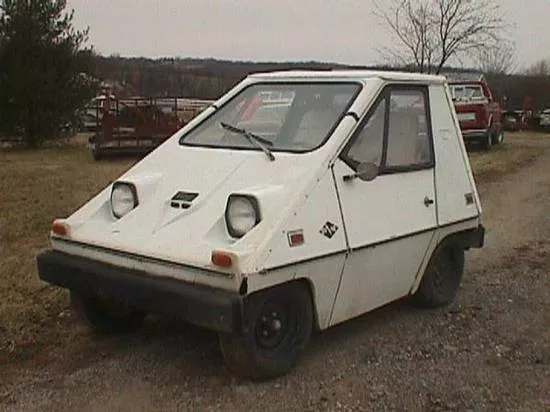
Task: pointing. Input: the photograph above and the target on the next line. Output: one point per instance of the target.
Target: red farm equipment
(138, 125)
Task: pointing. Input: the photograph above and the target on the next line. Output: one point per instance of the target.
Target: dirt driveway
(490, 351)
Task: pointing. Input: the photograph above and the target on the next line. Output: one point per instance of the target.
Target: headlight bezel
(234, 233)
(133, 190)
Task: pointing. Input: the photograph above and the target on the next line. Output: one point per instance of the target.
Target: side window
(368, 145)
(408, 134)
(397, 134)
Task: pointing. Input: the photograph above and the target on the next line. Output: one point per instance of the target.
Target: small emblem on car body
(328, 230)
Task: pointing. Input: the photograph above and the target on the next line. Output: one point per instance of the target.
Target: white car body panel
(318, 206)
(391, 206)
(374, 276)
(454, 180)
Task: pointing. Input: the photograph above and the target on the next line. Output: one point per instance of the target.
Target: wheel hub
(270, 328)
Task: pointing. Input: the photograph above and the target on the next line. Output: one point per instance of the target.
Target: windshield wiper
(252, 138)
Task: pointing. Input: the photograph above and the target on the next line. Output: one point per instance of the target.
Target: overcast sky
(343, 31)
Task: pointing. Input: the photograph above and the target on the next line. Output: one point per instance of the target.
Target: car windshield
(295, 117)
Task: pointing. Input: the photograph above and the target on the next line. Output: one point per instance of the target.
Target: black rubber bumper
(196, 304)
(474, 238)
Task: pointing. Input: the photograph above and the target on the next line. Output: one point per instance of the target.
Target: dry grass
(519, 150)
(37, 186)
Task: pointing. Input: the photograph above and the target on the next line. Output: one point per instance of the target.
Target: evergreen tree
(43, 66)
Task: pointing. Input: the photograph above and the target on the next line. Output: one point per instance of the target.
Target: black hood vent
(182, 200)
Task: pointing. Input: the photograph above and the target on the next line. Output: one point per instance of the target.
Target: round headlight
(123, 199)
(241, 215)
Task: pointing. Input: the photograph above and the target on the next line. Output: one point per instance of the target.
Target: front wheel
(442, 277)
(106, 316)
(279, 326)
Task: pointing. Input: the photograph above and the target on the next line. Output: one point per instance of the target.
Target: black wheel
(279, 326)
(97, 155)
(498, 138)
(106, 316)
(442, 277)
(487, 141)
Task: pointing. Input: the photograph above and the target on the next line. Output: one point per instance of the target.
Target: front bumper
(200, 305)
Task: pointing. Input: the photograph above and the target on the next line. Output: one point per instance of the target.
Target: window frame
(385, 94)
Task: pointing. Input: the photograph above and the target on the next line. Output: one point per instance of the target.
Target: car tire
(279, 324)
(96, 154)
(442, 277)
(106, 316)
(498, 138)
(487, 141)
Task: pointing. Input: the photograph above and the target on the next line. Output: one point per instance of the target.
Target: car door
(390, 220)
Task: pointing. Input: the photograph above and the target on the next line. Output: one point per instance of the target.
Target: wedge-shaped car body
(266, 220)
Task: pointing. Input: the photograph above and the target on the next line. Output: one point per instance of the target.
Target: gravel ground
(488, 351)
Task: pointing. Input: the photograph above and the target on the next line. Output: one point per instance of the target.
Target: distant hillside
(191, 77)
(211, 78)
(196, 78)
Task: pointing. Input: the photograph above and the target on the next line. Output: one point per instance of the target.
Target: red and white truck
(480, 116)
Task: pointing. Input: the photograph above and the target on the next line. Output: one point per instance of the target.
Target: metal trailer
(138, 125)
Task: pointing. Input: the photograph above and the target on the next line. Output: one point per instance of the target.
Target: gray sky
(344, 31)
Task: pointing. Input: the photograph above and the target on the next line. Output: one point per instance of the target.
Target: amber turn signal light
(60, 228)
(222, 259)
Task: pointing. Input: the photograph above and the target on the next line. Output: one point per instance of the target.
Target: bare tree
(429, 33)
(499, 58)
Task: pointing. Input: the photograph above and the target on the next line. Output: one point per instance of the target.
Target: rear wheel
(97, 155)
(105, 315)
(498, 138)
(487, 141)
(442, 277)
(279, 326)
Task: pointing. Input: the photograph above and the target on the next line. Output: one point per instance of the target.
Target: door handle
(428, 201)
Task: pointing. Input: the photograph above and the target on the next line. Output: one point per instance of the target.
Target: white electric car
(266, 220)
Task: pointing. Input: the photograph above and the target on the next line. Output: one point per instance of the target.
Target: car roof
(349, 75)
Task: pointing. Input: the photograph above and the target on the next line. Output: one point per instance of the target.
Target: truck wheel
(487, 141)
(106, 316)
(498, 138)
(96, 155)
(279, 326)
(442, 277)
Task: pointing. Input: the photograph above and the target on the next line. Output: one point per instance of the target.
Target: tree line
(210, 78)
(193, 78)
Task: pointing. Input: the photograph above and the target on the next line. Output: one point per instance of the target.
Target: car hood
(157, 228)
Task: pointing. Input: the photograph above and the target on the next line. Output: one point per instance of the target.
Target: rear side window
(408, 139)
(396, 133)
